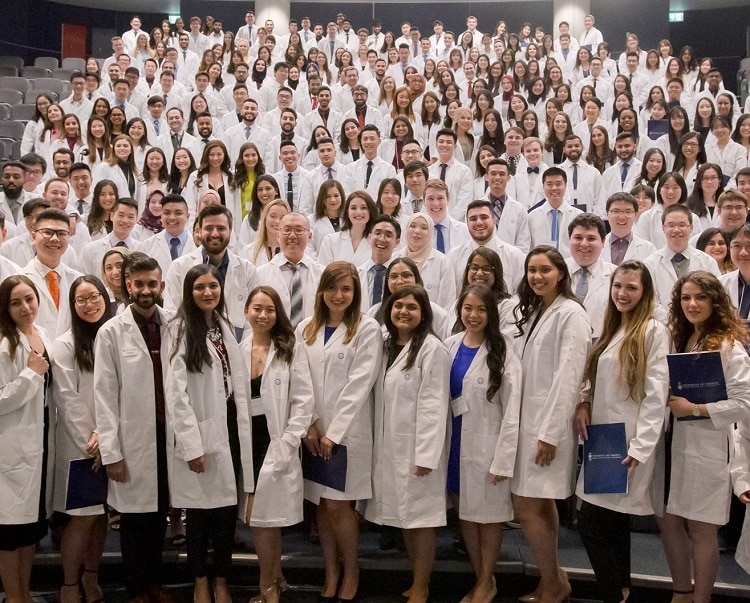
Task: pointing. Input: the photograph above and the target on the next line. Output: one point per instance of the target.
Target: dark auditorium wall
(647, 18)
(717, 32)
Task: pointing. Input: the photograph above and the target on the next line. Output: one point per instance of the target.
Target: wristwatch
(696, 411)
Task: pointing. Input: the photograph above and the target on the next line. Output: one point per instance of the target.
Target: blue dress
(461, 363)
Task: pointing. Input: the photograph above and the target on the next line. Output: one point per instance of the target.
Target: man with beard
(362, 112)
(204, 130)
(215, 225)
(62, 160)
(481, 223)
(322, 115)
(248, 130)
(288, 124)
(584, 180)
(132, 354)
(241, 73)
(13, 196)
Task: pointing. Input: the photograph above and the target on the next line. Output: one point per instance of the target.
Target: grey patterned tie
(295, 291)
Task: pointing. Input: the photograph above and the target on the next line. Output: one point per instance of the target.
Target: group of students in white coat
(487, 419)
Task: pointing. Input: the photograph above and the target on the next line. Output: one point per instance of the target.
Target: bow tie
(530, 170)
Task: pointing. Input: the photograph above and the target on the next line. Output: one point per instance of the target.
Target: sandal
(114, 520)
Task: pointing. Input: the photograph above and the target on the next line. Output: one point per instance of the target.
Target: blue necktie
(439, 238)
(624, 173)
(369, 173)
(555, 233)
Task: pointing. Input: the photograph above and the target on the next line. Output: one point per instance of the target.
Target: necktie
(369, 173)
(443, 169)
(624, 173)
(248, 129)
(174, 245)
(306, 34)
(290, 191)
(330, 174)
(165, 99)
(565, 54)
(415, 203)
(555, 231)
(176, 141)
(91, 96)
(333, 56)
(314, 103)
(512, 164)
(439, 239)
(497, 209)
(531, 170)
(630, 77)
(157, 126)
(575, 176)
(377, 283)
(582, 288)
(295, 291)
(594, 84)
(121, 244)
(681, 264)
(53, 284)
(618, 249)
(415, 49)
(184, 55)
(347, 37)
(79, 206)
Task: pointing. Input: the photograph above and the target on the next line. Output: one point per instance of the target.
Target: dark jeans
(216, 525)
(606, 536)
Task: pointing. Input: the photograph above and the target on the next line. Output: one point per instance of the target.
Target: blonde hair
(261, 242)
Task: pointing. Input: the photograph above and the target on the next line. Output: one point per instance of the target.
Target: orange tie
(53, 284)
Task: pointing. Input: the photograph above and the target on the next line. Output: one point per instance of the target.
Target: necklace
(214, 334)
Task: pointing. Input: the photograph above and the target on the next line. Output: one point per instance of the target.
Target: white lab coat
(663, 273)
(196, 412)
(700, 488)
(638, 249)
(437, 278)
(240, 280)
(553, 356)
(22, 402)
(511, 257)
(125, 409)
(193, 192)
(73, 397)
(740, 471)
(287, 401)
(104, 171)
(53, 319)
(342, 376)
(338, 247)
(597, 297)
(411, 413)
(489, 436)
(643, 419)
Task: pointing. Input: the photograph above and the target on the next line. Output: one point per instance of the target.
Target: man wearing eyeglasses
(51, 237)
(293, 273)
(622, 243)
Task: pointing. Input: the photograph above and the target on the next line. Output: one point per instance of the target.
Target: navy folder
(86, 487)
(698, 377)
(657, 128)
(603, 453)
(330, 473)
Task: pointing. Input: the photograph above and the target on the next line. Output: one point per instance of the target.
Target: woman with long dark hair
(72, 355)
(553, 339)
(209, 438)
(281, 404)
(24, 435)
(697, 485)
(411, 409)
(486, 377)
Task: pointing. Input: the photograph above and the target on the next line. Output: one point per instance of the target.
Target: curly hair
(722, 325)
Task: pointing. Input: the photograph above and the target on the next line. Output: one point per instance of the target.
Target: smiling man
(590, 274)
(384, 238)
(174, 241)
(481, 223)
(677, 257)
(622, 243)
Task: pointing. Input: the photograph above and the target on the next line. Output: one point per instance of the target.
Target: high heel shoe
(270, 595)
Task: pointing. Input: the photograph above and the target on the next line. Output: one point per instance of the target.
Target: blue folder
(86, 487)
(657, 128)
(330, 473)
(698, 377)
(603, 453)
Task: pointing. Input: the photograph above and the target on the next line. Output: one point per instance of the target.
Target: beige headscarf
(420, 254)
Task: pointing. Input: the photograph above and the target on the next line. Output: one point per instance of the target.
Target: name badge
(459, 406)
(130, 352)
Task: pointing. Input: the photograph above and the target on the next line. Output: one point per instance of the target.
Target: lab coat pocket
(20, 459)
(134, 440)
(212, 435)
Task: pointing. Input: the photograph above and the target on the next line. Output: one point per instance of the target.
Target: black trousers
(142, 534)
(216, 525)
(606, 536)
